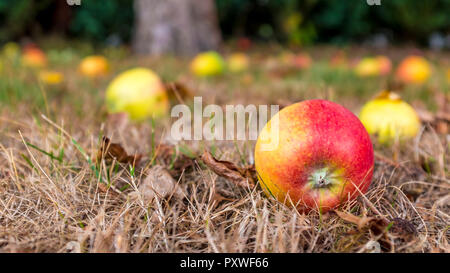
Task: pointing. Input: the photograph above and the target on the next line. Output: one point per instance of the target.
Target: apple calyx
(323, 178)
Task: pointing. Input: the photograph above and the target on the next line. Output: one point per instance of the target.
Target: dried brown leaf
(361, 222)
(168, 155)
(242, 177)
(114, 151)
(376, 225)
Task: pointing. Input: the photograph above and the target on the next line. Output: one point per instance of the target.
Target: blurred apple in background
(299, 60)
(51, 77)
(413, 69)
(34, 57)
(94, 66)
(238, 62)
(390, 118)
(11, 51)
(207, 64)
(138, 92)
(368, 66)
(373, 66)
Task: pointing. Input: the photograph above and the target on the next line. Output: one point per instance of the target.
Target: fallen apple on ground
(94, 66)
(390, 118)
(207, 64)
(138, 92)
(51, 77)
(413, 69)
(34, 57)
(324, 156)
(367, 67)
(238, 62)
(373, 66)
(11, 50)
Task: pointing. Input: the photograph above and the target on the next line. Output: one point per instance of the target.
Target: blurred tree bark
(183, 27)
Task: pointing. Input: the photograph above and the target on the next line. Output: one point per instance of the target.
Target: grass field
(55, 196)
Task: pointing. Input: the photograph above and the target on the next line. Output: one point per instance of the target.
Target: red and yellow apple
(299, 60)
(322, 156)
(238, 62)
(138, 92)
(373, 66)
(207, 64)
(413, 69)
(390, 118)
(34, 57)
(94, 66)
(367, 67)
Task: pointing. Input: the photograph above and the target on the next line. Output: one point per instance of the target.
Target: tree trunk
(183, 27)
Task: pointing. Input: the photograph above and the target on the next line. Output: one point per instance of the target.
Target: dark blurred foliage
(298, 22)
(93, 20)
(100, 20)
(306, 21)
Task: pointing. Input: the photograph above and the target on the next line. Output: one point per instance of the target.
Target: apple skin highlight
(318, 141)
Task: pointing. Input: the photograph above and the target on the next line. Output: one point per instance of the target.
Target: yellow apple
(94, 66)
(207, 64)
(51, 77)
(373, 66)
(11, 50)
(390, 118)
(138, 92)
(367, 67)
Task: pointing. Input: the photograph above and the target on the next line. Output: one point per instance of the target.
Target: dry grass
(59, 205)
